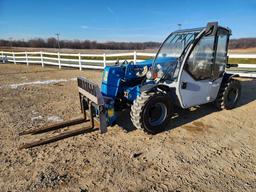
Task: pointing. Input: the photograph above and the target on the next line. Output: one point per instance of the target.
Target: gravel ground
(201, 150)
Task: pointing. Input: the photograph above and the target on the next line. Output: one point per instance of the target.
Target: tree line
(78, 44)
(87, 44)
(242, 43)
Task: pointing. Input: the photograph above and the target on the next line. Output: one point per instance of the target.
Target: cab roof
(210, 24)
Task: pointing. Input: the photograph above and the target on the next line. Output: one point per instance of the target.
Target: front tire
(151, 112)
(229, 95)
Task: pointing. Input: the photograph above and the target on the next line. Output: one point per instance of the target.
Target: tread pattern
(220, 102)
(137, 108)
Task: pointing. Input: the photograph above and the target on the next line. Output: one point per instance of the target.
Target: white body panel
(196, 92)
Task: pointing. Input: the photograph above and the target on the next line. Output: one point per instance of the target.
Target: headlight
(142, 73)
(149, 75)
(160, 74)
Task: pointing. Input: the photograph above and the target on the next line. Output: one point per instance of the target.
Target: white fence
(88, 61)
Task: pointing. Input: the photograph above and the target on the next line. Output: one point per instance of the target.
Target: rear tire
(151, 112)
(229, 95)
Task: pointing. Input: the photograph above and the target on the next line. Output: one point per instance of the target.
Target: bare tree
(86, 44)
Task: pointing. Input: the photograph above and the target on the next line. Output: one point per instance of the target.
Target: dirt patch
(197, 126)
(201, 150)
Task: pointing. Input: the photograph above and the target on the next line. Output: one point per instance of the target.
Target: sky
(121, 20)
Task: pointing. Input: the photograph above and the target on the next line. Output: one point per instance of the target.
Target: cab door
(196, 76)
(221, 60)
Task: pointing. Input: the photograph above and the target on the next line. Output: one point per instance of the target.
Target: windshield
(171, 50)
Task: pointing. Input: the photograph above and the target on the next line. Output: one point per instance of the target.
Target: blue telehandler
(188, 70)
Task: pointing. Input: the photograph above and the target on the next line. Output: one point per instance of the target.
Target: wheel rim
(232, 96)
(157, 114)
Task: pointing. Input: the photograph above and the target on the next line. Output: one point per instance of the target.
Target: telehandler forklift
(188, 70)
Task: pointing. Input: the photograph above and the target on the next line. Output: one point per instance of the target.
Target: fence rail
(90, 61)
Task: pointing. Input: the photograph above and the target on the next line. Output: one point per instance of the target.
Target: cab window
(221, 56)
(200, 62)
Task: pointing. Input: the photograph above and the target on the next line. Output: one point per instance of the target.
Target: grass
(100, 58)
(241, 60)
(231, 60)
(241, 69)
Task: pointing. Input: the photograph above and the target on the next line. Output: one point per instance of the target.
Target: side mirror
(211, 28)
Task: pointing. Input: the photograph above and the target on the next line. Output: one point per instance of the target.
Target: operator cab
(204, 50)
(193, 62)
(169, 53)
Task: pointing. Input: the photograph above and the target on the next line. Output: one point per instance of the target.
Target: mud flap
(90, 94)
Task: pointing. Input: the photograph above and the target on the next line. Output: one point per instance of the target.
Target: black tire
(229, 95)
(151, 112)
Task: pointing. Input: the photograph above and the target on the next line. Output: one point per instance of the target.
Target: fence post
(59, 60)
(42, 59)
(134, 57)
(104, 60)
(26, 54)
(13, 57)
(3, 56)
(80, 62)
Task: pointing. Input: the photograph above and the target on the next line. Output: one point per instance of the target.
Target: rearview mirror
(211, 28)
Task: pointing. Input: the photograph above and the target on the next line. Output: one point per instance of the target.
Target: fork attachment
(92, 105)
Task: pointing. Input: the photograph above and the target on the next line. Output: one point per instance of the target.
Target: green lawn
(238, 60)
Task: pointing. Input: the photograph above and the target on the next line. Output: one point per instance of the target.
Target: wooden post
(104, 60)
(26, 54)
(134, 57)
(59, 60)
(80, 62)
(3, 56)
(42, 59)
(13, 57)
